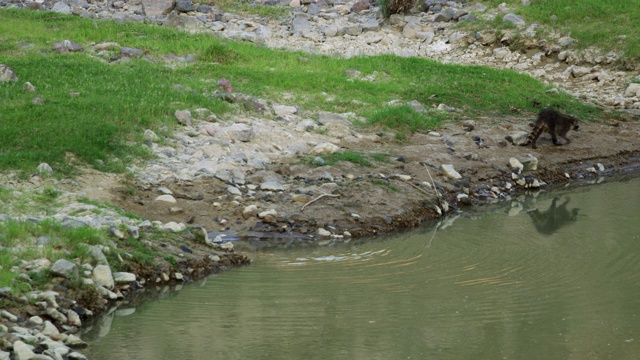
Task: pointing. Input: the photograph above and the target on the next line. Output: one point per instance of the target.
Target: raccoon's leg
(534, 141)
(563, 134)
(553, 131)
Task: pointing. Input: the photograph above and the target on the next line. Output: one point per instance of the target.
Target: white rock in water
(227, 246)
(450, 172)
(102, 276)
(516, 164)
(323, 232)
(591, 169)
(166, 198)
(600, 167)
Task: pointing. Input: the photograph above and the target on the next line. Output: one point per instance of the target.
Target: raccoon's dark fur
(555, 123)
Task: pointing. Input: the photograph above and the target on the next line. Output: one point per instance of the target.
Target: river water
(537, 279)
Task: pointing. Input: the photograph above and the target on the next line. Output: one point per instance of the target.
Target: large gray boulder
(64, 268)
(158, 7)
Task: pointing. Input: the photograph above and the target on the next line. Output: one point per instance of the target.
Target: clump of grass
(252, 8)
(404, 117)
(349, 156)
(384, 184)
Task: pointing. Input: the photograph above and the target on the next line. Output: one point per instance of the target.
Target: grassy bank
(605, 24)
(97, 111)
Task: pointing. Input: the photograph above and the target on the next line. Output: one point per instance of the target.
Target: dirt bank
(395, 191)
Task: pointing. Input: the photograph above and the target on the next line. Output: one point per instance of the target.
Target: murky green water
(559, 283)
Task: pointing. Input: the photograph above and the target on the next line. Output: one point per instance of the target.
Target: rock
(75, 342)
(325, 118)
(151, 136)
(445, 107)
(600, 167)
(234, 190)
(518, 137)
(323, 232)
(9, 316)
(123, 277)
(173, 226)
(450, 172)
(325, 148)
(44, 169)
(273, 185)
(66, 46)
(65, 269)
(515, 164)
(131, 52)
(270, 212)
(74, 318)
(61, 7)
(56, 315)
(157, 7)
(501, 52)
(514, 19)
(49, 329)
(300, 198)
(22, 351)
(250, 211)
(184, 6)
(632, 90)
(183, 117)
(283, 110)
(360, 5)
(530, 163)
(301, 26)
(167, 198)
(102, 276)
(240, 132)
(6, 74)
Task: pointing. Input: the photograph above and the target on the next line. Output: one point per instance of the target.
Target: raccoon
(554, 123)
(555, 217)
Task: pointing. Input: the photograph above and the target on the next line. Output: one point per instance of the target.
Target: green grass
(103, 126)
(348, 156)
(250, 8)
(592, 22)
(17, 244)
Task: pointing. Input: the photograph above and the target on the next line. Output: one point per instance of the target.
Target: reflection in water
(482, 287)
(556, 216)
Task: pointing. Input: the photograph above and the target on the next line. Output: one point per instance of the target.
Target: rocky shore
(262, 174)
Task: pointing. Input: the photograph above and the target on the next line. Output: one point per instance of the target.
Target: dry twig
(318, 198)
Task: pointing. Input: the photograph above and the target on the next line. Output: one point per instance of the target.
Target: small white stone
(516, 164)
(600, 167)
(450, 172)
(323, 232)
(166, 198)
